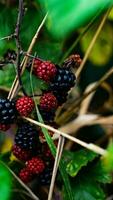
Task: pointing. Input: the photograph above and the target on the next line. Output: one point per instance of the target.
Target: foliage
(63, 12)
(5, 183)
(81, 158)
(88, 176)
(85, 175)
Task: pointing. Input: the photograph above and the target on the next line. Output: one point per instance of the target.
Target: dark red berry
(35, 165)
(45, 70)
(47, 152)
(25, 106)
(42, 137)
(25, 175)
(73, 61)
(20, 153)
(4, 127)
(48, 102)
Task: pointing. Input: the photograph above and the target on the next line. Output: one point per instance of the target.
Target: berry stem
(92, 43)
(18, 44)
(15, 84)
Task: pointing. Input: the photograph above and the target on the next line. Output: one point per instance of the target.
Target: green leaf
(100, 174)
(5, 183)
(67, 15)
(8, 74)
(86, 188)
(5, 157)
(81, 158)
(108, 158)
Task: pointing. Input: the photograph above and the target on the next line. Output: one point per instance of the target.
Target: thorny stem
(9, 37)
(15, 85)
(17, 38)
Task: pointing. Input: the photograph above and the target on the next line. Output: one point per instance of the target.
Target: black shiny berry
(61, 97)
(7, 111)
(27, 137)
(45, 176)
(48, 116)
(63, 81)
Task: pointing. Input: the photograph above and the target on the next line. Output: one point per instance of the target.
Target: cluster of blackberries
(60, 80)
(34, 153)
(29, 146)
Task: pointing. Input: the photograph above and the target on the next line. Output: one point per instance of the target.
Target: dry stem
(15, 85)
(92, 43)
(89, 146)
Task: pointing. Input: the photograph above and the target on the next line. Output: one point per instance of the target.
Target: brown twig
(92, 43)
(9, 37)
(56, 164)
(89, 146)
(15, 85)
(18, 44)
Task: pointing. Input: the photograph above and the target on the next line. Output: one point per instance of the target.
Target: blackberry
(35, 165)
(45, 176)
(27, 137)
(25, 105)
(48, 116)
(63, 81)
(25, 175)
(21, 154)
(44, 70)
(7, 111)
(48, 101)
(61, 97)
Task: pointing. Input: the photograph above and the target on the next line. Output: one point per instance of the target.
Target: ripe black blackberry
(45, 176)
(27, 137)
(7, 111)
(63, 81)
(48, 116)
(61, 97)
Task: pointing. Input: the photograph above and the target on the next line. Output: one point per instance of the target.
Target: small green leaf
(99, 173)
(5, 183)
(108, 158)
(86, 188)
(8, 74)
(81, 158)
(5, 157)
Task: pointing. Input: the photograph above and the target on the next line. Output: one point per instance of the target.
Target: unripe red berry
(35, 165)
(25, 175)
(48, 102)
(20, 153)
(4, 127)
(44, 70)
(25, 106)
